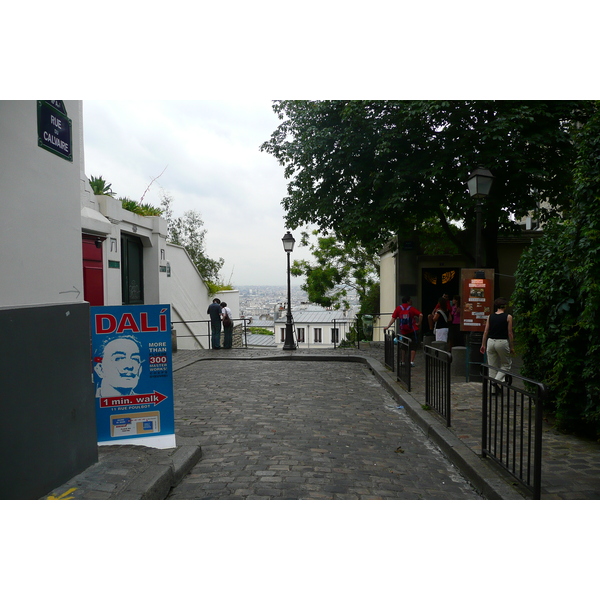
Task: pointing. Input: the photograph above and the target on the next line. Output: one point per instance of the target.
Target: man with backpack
(407, 314)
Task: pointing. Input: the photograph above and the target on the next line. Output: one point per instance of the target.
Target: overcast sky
(209, 151)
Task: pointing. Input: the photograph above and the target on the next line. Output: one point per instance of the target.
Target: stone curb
(156, 481)
(154, 473)
(481, 475)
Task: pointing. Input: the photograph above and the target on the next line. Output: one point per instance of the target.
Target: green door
(132, 270)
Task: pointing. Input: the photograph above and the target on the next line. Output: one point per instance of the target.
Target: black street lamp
(480, 183)
(288, 245)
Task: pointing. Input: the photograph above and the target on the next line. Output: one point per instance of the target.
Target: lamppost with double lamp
(288, 245)
(480, 183)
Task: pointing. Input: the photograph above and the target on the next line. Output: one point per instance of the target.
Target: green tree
(557, 296)
(100, 187)
(336, 269)
(368, 170)
(188, 231)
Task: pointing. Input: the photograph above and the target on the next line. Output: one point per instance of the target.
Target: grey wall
(47, 420)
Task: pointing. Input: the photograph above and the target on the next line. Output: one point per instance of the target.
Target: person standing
(227, 326)
(441, 319)
(407, 314)
(454, 335)
(434, 311)
(214, 311)
(498, 340)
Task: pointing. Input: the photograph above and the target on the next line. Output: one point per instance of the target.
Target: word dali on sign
(108, 323)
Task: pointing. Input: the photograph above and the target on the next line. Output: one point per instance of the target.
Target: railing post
(537, 455)
(484, 414)
(447, 363)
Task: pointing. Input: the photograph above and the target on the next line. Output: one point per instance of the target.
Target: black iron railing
(403, 362)
(364, 329)
(198, 336)
(389, 349)
(512, 426)
(437, 381)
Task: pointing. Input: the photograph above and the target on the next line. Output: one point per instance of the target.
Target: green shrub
(145, 210)
(260, 331)
(557, 299)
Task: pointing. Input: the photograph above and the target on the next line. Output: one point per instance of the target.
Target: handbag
(227, 322)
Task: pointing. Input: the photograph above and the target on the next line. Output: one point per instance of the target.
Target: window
(318, 335)
(335, 335)
(282, 338)
(300, 334)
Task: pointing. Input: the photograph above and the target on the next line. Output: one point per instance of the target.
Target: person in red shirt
(408, 314)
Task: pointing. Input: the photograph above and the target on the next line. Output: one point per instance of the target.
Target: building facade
(48, 427)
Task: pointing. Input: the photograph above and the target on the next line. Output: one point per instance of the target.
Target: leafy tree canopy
(370, 169)
(337, 268)
(557, 296)
(188, 231)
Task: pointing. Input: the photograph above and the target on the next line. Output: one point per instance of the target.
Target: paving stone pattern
(570, 464)
(303, 430)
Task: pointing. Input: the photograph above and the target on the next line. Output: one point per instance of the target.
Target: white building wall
(152, 232)
(387, 301)
(189, 298)
(232, 297)
(40, 225)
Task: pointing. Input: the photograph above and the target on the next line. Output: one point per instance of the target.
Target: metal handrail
(438, 378)
(389, 349)
(208, 335)
(403, 363)
(511, 426)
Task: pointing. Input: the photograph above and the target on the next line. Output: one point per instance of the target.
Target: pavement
(321, 424)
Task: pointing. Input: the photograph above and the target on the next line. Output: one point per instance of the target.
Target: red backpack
(406, 321)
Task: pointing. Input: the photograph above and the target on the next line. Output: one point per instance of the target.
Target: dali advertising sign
(477, 298)
(133, 376)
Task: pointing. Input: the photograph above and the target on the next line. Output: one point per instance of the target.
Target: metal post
(478, 253)
(289, 331)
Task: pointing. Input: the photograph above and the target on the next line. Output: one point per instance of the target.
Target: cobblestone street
(307, 430)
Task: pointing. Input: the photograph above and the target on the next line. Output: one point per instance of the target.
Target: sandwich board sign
(133, 375)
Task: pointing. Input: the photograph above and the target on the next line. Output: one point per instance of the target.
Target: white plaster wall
(40, 211)
(188, 296)
(152, 231)
(232, 297)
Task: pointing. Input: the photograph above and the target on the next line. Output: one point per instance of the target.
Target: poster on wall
(133, 375)
(477, 286)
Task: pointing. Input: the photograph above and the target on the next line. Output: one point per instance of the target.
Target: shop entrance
(434, 283)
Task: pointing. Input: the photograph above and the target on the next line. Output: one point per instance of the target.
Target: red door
(93, 276)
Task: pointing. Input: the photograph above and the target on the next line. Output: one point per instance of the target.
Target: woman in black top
(442, 320)
(498, 340)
